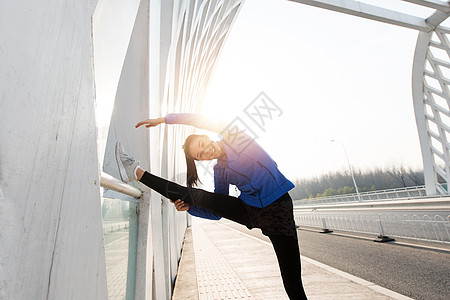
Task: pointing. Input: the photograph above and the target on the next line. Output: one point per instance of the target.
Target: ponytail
(192, 176)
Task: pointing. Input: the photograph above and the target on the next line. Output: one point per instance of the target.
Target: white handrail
(109, 182)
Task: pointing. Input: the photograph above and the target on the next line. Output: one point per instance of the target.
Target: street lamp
(351, 169)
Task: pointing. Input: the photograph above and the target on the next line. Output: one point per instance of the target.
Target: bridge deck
(220, 262)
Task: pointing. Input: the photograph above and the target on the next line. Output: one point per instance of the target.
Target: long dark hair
(192, 176)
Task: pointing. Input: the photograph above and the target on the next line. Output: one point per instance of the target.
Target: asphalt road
(415, 271)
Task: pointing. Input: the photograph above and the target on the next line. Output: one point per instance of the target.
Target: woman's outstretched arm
(193, 119)
(150, 122)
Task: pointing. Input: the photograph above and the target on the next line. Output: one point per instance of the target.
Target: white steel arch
(430, 78)
(431, 105)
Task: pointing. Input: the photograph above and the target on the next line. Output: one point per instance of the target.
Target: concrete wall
(51, 243)
(113, 24)
(75, 77)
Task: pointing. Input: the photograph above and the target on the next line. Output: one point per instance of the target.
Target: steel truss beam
(436, 4)
(385, 15)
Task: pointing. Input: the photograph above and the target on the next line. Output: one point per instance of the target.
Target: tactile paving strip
(215, 277)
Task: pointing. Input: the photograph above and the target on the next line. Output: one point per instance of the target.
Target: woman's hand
(180, 205)
(150, 122)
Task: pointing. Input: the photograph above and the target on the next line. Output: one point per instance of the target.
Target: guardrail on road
(109, 227)
(407, 192)
(394, 204)
(384, 218)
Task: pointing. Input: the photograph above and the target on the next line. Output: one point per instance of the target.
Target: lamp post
(350, 167)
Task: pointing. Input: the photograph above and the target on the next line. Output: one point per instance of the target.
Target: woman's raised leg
(225, 206)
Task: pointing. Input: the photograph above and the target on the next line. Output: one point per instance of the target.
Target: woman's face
(203, 148)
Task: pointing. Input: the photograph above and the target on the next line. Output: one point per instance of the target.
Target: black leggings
(232, 208)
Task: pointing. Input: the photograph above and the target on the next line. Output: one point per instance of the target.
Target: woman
(264, 201)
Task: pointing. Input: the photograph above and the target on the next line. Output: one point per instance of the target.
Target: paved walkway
(116, 256)
(220, 262)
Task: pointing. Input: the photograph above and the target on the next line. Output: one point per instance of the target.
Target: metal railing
(408, 225)
(118, 280)
(109, 227)
(109, 182)
(407, 192)
(401, 204)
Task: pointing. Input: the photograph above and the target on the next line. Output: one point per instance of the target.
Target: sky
(333, 76)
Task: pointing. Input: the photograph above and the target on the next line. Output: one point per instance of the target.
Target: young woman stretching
(264, 201)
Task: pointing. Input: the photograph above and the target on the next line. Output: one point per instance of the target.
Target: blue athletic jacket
(247, 165)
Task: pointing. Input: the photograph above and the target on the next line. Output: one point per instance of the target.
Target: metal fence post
(324, 227)
(132, 251)
(381, 237)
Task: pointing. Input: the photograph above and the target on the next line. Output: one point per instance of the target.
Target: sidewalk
(116, 257)
(219, 262)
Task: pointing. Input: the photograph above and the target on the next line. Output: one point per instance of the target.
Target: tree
(339, 183)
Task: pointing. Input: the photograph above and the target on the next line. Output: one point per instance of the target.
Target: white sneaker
(127, 164)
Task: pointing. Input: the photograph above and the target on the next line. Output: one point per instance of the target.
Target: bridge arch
(430, 77)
